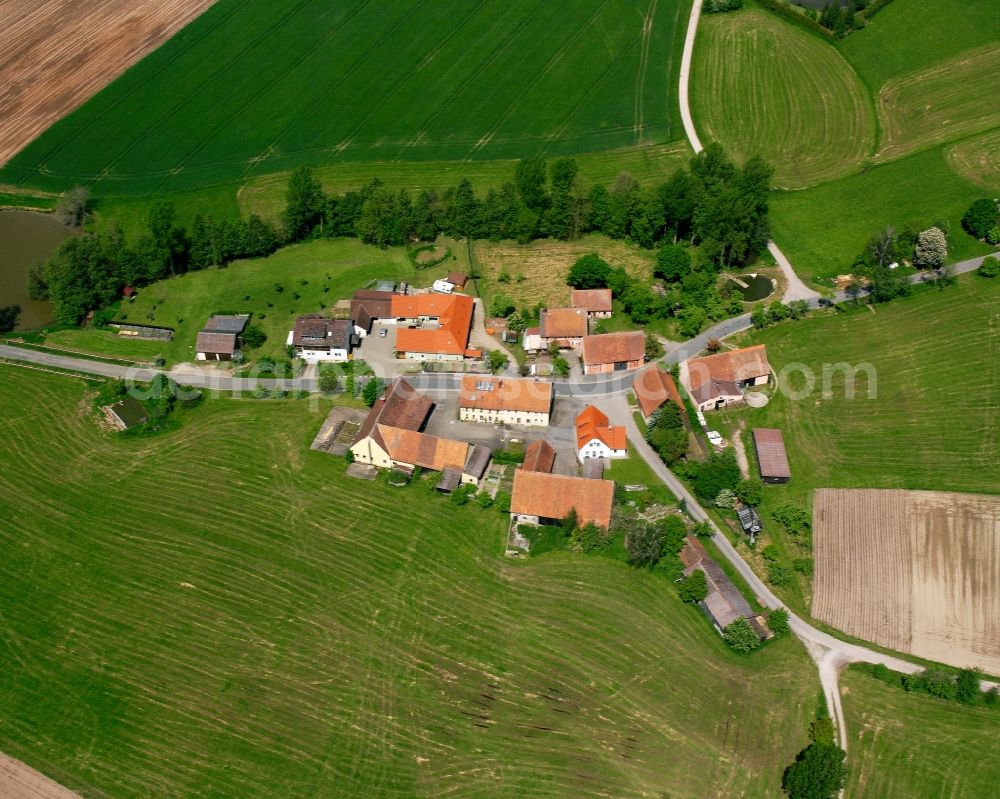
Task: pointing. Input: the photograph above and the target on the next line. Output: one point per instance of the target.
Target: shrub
(804, 566)
(770, 552)
(693, 588)
(981, 217)
(726, 498)
(740, 636)
(502, 502)
(719, 471)
(779, 574)
(817, 773)
(501, 305)
(329, 382)
(750, 492)
(990, 267)
(777, 621)
(793, 518)
(253, 337)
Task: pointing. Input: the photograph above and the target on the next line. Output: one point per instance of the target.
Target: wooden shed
(771, 455)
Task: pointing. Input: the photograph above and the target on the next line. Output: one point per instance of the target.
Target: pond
(26, 237)
(752, 287)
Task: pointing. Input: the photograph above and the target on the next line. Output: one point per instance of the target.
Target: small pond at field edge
(26, 237)
(757, 287)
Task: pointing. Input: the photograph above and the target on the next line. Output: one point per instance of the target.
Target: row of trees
(88, 272)
(713, 203)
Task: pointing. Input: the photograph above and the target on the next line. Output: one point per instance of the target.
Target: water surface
(26, 237)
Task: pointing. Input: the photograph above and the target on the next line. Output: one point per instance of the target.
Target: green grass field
(822, 229)
(252, 88)
(312, 277)
(917, 746)
(764, 87)
(910, 35)
(218, 611)
(935, 359)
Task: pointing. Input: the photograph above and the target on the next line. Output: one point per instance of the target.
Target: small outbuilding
(771, 456)
(220, 340)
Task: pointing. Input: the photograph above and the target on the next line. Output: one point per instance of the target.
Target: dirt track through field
(56, 54)
(918, 571)
(19, 781)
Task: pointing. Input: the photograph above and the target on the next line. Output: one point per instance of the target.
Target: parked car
(714, 438)
(383, 333)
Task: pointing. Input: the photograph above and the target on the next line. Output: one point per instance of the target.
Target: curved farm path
(830, 654)
(797, 290)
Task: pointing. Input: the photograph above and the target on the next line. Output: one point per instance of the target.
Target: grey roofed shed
(229, 323)
(478, 460)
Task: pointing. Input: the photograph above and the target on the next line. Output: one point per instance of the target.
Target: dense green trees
(982, 216)
(666, 433)
(741, 637)
(717, 472)
(589, 272)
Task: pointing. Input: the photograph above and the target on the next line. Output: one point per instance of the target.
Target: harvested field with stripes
(218, 611)
(978, 160)
(254, 88)
(917, 571)
(940, 103)
(764, 87)
(56, 54)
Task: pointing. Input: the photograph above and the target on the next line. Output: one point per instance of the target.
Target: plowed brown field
(55, 54)
(918, 571)
(20, 781)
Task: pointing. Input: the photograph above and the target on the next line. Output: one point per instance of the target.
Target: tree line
(713, 203)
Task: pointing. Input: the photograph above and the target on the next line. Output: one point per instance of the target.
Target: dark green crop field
(218, 611)
(253, 87)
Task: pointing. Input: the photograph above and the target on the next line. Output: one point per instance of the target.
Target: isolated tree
(693, 588)
(931, 248)
(981, 217)
(253, 337)
(589, 272)
(498, 360)
(882, 247)
(817, 773)
(329, 382)
(501, 305)
(73, 208)
(654, 347)
(740, 636)
(967, 685)
(777, 621)
(516, 323)
(372, 391)
(644, 543)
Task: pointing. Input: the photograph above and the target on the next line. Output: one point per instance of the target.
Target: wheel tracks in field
(549, 66)
(214, 77)
(640, 81)
(447, 101)
(274, 81)
(126, 96)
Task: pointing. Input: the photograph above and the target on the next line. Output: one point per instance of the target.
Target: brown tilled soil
(918, 571)
(55, 54)
(20, 781)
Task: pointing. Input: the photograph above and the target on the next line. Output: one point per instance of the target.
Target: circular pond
(752, 287)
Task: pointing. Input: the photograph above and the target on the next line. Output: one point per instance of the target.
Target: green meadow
(917, 746)
(254, 88)
(218, 611)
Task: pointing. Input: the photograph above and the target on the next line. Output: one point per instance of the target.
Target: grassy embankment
(219, 611)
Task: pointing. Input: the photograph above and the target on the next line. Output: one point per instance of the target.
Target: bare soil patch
(918, 571)
(20, 781)
(56, 54)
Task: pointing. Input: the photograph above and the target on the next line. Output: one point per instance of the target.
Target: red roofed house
(391, 437)
(540, 456)
(716, 381)
(501, 400)
(445, 321)
(596, 302)
(542, 498)
(563, 326)
(613, 352)
(653, 387)
(596, 438)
